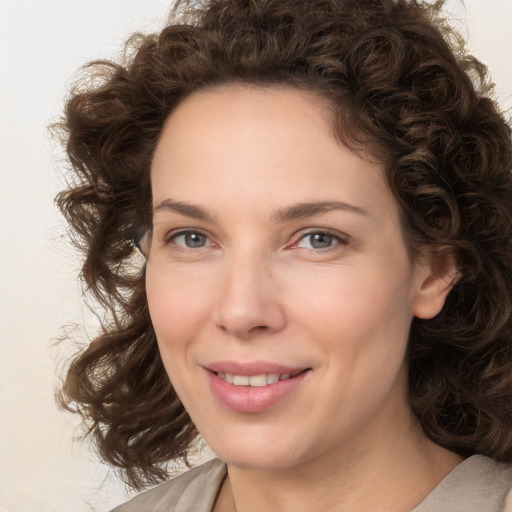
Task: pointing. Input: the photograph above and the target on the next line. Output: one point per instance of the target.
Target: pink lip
(248, 399)
(252, 368)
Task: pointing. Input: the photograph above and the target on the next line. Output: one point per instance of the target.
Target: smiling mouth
(249, 389)
(263, 379)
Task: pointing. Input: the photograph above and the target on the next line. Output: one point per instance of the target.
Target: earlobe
(438, 272)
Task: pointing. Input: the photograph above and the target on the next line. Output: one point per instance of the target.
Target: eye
(320, 240)
(190, 239)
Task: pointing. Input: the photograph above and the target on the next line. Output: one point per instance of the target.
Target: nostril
(258, 328)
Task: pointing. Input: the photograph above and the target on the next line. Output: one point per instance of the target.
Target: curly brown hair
(400, 84)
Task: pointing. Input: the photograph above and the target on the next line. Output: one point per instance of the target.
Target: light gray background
(42, 43)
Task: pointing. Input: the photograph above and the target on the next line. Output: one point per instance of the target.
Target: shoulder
(195, 489)
(477, 484)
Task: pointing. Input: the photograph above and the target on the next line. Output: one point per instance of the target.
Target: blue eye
(319, 240)
(190, 239)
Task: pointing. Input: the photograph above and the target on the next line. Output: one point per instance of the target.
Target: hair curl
(401, 84)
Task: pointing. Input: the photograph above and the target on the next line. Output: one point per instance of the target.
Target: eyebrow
(186, 209)
(304, 210)
(294, 212)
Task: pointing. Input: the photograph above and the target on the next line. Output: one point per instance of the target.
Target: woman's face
(277, 254)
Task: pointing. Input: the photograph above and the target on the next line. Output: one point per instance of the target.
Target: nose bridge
(248, 300)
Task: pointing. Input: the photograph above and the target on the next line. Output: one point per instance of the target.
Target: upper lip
(252, 368)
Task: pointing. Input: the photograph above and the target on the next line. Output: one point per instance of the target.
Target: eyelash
(338, 237)
(335, 236)
(176, 234)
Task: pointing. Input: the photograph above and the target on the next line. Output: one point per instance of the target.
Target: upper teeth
(254, 380)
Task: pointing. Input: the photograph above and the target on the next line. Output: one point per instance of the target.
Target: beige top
(478, 484)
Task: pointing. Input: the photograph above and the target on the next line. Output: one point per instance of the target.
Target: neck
(395, 475)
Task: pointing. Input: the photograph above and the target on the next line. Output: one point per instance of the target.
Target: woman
(323, 199)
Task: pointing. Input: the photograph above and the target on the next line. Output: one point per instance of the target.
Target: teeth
(255, 380)
(272, 377)
(241, 380)
(258, 380)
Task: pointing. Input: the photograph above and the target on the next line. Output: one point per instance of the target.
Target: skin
(258, 288)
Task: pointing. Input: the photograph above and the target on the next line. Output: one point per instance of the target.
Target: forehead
(244, 112)
(273, 144)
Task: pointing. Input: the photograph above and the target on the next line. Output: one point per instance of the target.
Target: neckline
(477, 483)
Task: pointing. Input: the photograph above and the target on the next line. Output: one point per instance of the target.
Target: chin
(257, 460)
(258, 450)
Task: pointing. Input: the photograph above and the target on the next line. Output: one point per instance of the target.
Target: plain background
(43, 467)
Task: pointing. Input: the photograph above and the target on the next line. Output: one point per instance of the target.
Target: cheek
(177, 308)
(360, 320)
(354, 300)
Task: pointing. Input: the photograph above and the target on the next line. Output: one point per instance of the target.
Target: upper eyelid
(169, 240)
(312, 231)
(342, 239)
(294, 238)
(173, 233)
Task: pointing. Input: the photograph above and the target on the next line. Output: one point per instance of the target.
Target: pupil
(194, 240)
(321, 241)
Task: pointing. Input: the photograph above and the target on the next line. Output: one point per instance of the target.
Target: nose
(248, 304)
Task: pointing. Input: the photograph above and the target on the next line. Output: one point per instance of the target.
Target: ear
(437, 273)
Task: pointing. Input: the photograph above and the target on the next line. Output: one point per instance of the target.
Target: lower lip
(253, 399)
